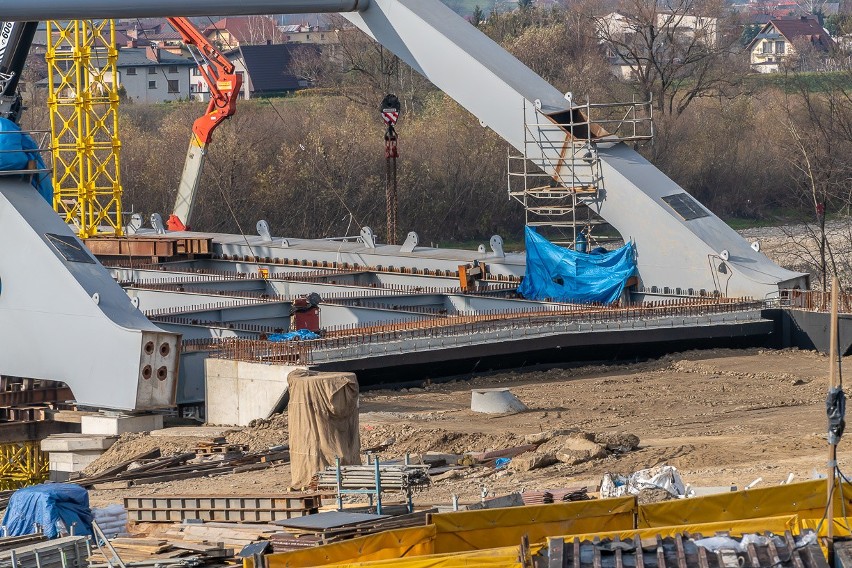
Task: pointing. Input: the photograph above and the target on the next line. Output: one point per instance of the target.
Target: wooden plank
(577, 559)
(640, 553)
(555, 552)
(794, 553)
(619, 562)
(773, 552)
(138, 541)
(752, 555)
(661, 553)
(596, 562)
(114, 470)
(160, 464)
(681, 555)
(703, 562)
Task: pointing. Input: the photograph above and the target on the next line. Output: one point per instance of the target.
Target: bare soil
(720, 416)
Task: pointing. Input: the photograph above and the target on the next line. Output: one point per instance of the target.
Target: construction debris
(664, 478)
(148, 467)
(555, 496)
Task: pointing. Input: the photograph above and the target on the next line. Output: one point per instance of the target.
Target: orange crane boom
(224, 84)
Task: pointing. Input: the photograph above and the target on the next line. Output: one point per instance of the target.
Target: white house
(780, 38)
(152, 75)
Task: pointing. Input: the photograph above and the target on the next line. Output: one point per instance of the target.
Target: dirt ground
(719, 416)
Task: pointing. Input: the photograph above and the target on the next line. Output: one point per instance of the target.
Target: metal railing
(42, 143)
(302, 352)
(810, 300)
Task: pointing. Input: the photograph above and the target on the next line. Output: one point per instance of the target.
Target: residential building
(233, 32)
(266, 71)
(704, 28)
(615, 28)
(303, 33)
(783, 39)
(153, 75)
(157, 33)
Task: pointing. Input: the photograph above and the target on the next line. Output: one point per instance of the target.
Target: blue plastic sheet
(16, 150)
(300, 335)
(48, 505)
(562, 275)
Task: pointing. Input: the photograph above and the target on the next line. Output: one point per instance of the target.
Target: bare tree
(366, 72)
(811, 6)
(676, 50)
(818, 128)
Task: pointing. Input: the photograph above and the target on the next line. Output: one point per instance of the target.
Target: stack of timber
(229, 535)
(150, 467)
(157, 552)
(10, 542)
(219, 446)
(221, 508)
(335, 526)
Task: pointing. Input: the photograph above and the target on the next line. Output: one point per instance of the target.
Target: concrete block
(105, 425)
(238, 392)
(59, 476)
(76, 443)
(72, 461)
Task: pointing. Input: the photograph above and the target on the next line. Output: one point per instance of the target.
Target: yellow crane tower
(83, 101)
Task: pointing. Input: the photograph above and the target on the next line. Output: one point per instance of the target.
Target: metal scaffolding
(83, 101)
(565, 201)
(22, 464)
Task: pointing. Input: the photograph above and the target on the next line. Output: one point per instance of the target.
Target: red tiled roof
(796, 27)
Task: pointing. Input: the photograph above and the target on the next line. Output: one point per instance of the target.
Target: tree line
(761, 149)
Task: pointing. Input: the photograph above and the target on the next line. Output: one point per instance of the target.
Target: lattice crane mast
(224, 84)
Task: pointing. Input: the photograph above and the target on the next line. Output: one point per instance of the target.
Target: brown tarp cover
(323, 421)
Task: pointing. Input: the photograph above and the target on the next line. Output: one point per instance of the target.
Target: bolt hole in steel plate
(162, 373)
(146, 372)
(165, 349)
(149, 347)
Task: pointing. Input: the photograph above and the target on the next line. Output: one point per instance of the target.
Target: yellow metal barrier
(390, 545)
(478, 530)
(22, 464)
(806, 499)
(507, 557)
(485, 538)
(735, 528)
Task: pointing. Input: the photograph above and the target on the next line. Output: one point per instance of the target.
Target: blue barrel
(581, 243)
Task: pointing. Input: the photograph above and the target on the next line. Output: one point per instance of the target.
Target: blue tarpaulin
(48, 505)
(16, 150)
(562, 275)
(300, 335)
